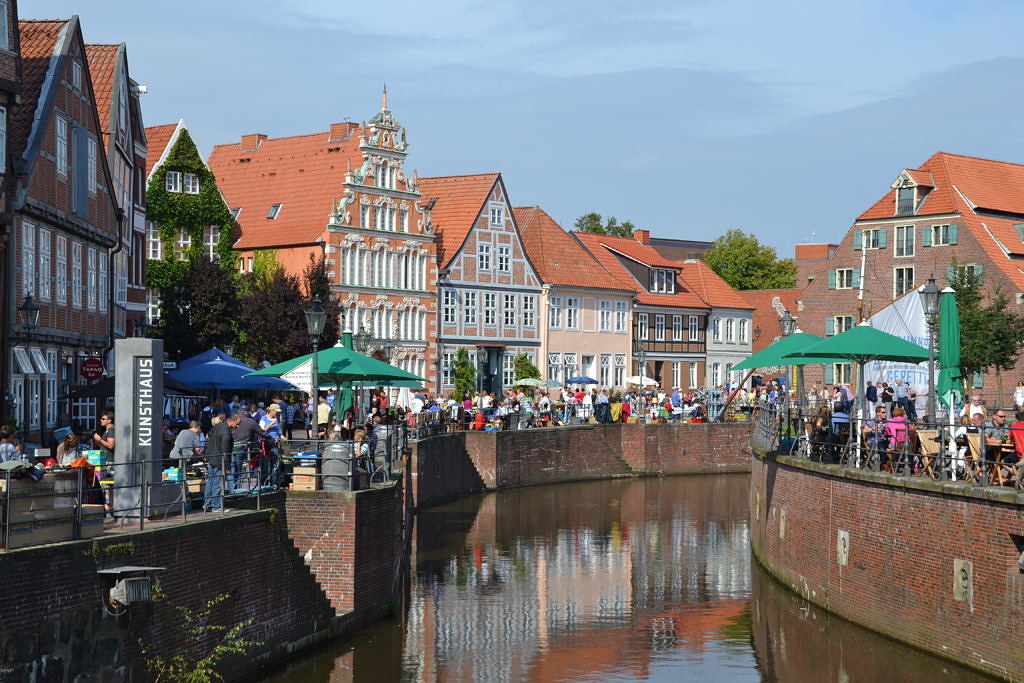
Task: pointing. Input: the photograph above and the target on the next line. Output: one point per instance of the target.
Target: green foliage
(991, 335)
(265, 264)
(742, 261)
(593, 223)
(199, 643)
(523, 368)
(270, 310)
(199, 310)
(465, 375)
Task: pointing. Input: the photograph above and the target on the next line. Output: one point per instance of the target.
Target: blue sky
(783, 118)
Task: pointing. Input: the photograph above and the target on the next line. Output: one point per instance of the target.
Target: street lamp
(641, 359)
(315, 317)
(28, 315)
(757, 333)
(788, 323)
(361, 339)
(141, 327)
(930, 295)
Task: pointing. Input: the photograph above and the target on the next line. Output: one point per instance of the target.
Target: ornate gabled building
(345, 195)
(670, 320)
(584, 310)
(66, 224)
(487, 287)
(124, 140)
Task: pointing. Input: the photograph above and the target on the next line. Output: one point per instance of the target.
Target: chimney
(642, 236)
(342, 131)
(252, 141)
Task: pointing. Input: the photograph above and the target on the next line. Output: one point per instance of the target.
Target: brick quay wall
(935, 565)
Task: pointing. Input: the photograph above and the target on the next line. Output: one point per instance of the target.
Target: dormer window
(663, 281)
(274, 210)
(905, 200)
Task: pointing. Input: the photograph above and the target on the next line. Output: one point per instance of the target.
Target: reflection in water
(613, 581)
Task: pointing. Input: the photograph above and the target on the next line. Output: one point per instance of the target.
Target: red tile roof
(597, 246)
(710, 286)
(102, 61)
(921, 177)
(303, 173)
(38, 41)
(459, 201)
(157, 137)
(644, 253)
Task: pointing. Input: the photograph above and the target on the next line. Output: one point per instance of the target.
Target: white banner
(903, 318)
(301, 376)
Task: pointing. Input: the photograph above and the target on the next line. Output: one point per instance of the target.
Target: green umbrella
(951, 378)
(340, 364)
(529, 382)
(771, 355)
(551, 383)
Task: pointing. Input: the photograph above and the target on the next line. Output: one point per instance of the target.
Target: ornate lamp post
(641, 359)
(361, 339)
(930, 295)
(28, 315)
(315, 318)
(788, 323)
(142, 328)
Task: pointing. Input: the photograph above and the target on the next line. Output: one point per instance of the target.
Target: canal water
(625, 580)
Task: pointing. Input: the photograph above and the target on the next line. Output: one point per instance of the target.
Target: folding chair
(975, 465)
(929, 452)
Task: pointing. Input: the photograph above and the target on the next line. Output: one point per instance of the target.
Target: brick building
(487, 288)
(10, 93)
(343, 194)
(810, 260)
(952, 209)
(66, 222)
(584, 310)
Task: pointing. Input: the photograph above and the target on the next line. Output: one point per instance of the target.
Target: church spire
(384, 98)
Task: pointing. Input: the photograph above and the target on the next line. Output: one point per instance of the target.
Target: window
(572, 313)
(663, 281)
(447, 367)
(191, 183)
(5, 40)
(730, 330)
(91, 169)
(693, 376)
(965, 270)
(694, 328)
(61, 276)
(404, 217)
(744, 325)
(641, 326)
(504, 259)
(555, 312)
(483, 256)
(905, 240)
(555, 367)
(211, 236)
(940, 235)
(28, 258)
(182, 243)
(90, 274)
(604, 315)
(570, 365)
(529, 310)
(873, 238)
(364, 216)
(508, 368)
(837, 324)
(62, 147)
(844, 278)
(275, 209)
(51, 387)
(903, 280)
(490, 308)
(842, 373)
(716, 329)
(172, 182)
(76, 275)
(621, 312)
(497, 215)
(102, 291)
(659, 327)
(905, 201)
(448, 307)
(76, 74)
(605, 375)
(469, 308)
(3, 110)
(620, 370)
(154, 247)
(509, 310)
(677, 375)
(716, 374)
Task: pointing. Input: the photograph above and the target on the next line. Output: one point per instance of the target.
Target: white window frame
(604, 315)
(51, 388)
(191, 184)
(496, 215)
(642, 326)
(659, 327)
(693, 327)
(76, 74)
(730, 330)
(61, 275)
(93, 165)
(102, 291)
(448, 368)
(716, 329)
(172, 181)
(677, 329)
(504, 258)
(90, 276)
(908, 285)
(76, 275)
(509, 311)
(844, 278)
(619, 376)
(5, 40)
(905, 247)
(508, 368)
(211, 236)
(182, 244)
(940, 235)
(605, 372)
(483, 256)
(28, 258)
(448, 307)
(621, 316)
(490, 309)
(743, 327)
(572, 313)
(554, 312)
(61, 134)
(871, 238)
(275, 211)
(529, 310)
(469, 307)
(154, 246)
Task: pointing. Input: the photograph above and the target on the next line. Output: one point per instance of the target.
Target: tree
(318, 286)
(523, 368)
(465, 375)
(271, 315)
(991, 335)
(198, 306)
(742, 261)
(592, 223)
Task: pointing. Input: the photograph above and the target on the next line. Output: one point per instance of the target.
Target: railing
(45, 506)
(980, 456)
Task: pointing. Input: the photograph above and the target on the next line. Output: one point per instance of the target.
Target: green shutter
(858, 236)
(979, 272)
(830, 326)
(950, 274)
(856, 278)
(954, 228)
(829, 375)
(882, 233)
(831, 279)
(926, 236)
(978, 380)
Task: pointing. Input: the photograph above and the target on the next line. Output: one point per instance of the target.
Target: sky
(785, 119)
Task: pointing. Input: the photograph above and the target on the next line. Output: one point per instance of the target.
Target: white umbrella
(404, 398)
(642, 381)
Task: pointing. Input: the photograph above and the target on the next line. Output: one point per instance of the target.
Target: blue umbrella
(581, 380)
(222, 374)
(211, 354)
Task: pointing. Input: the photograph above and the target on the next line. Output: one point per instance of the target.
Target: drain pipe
(111, 285)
